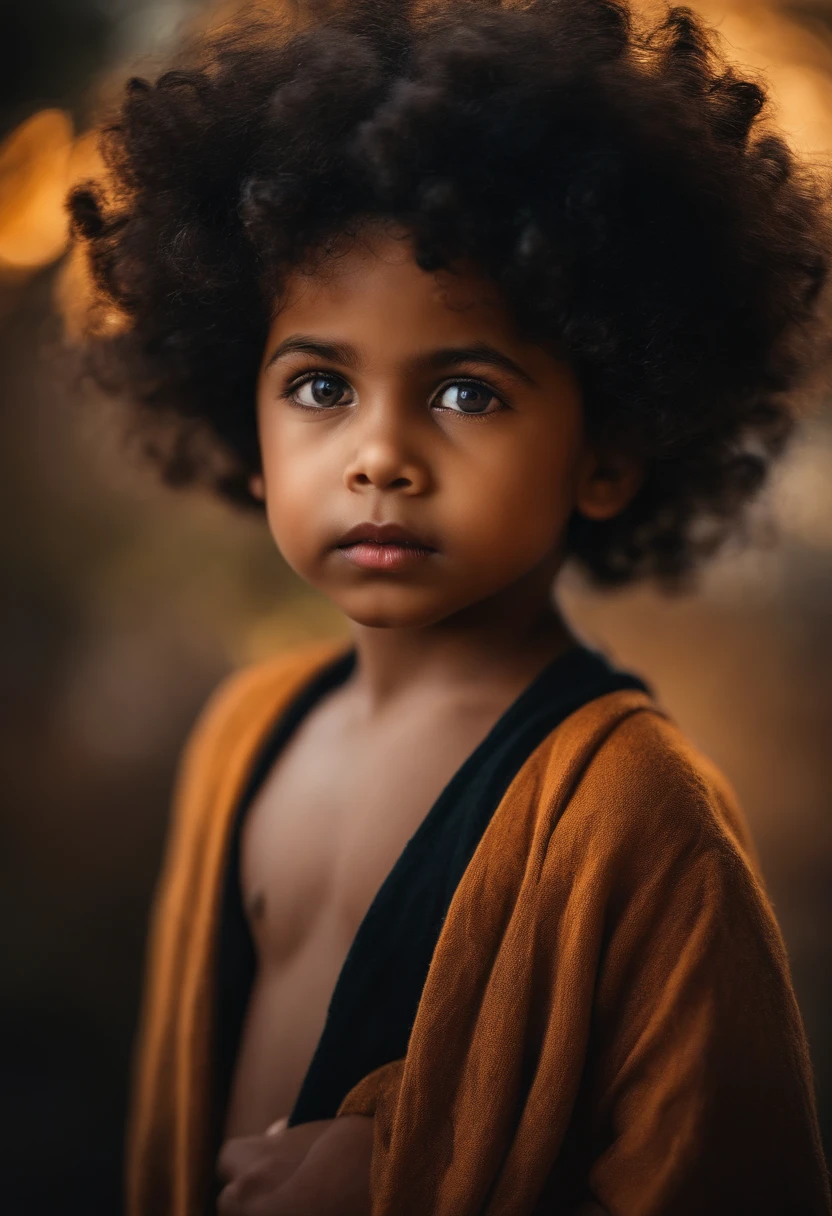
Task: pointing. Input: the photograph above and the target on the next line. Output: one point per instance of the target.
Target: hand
(320, 1168)
(269, 1160)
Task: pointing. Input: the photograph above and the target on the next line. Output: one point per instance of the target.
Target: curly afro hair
(616, 181)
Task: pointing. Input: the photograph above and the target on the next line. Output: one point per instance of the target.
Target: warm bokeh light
(796, 60)
(34, 172)
(39, 162)
(41, 158)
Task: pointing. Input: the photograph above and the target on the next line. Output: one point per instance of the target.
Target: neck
(500, 642)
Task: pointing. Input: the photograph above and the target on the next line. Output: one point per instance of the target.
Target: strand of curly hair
(619, 183)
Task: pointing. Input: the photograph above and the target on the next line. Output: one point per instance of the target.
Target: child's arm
(315, 1169)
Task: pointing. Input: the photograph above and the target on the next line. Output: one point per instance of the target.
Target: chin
(379, 615)
(387, 620)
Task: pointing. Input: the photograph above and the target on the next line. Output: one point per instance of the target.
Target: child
(454, 920)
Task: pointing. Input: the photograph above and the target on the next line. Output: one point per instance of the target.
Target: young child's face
(392, 395)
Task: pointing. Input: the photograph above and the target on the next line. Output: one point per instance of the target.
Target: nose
(384, 456)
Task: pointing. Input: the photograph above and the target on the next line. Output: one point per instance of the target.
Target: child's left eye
(469, 397)
(325, 390)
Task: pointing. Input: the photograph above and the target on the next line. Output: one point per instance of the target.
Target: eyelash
(307, 377)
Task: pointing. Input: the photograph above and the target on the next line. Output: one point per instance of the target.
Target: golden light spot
(792, 59)
(34, 171)
(39, 162)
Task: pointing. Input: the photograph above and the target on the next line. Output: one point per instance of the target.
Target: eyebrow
(446, 356)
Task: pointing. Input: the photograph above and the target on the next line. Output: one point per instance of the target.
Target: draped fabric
(377, 993)
(594, 1015)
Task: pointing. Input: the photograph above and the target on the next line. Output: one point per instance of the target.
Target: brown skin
(315, 1169)
(385, 437)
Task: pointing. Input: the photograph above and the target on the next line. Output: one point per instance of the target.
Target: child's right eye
(320, 390)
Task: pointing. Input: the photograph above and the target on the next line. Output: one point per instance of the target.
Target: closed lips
(382, 534)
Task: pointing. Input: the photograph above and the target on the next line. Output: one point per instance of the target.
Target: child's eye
(468, 397)
(317, 391)
(322, 390)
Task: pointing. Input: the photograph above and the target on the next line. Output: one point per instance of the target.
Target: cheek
(519, 500)
(290, 510)
(288, 490)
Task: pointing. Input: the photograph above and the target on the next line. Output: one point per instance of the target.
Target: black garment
(374, 1002)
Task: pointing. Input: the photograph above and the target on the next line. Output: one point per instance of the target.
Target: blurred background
(125, 603)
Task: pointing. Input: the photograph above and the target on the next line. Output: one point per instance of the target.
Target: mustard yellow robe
(608, 1025)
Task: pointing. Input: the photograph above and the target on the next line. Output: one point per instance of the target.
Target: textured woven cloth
(608, 1023)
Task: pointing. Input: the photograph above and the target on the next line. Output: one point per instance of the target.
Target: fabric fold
(608, 1023)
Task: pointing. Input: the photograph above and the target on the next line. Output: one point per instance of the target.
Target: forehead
(369, 290)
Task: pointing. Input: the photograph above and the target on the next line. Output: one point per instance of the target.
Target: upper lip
(382, 534)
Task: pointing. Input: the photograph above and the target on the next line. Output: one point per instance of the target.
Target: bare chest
(327, 826)
(333, 816)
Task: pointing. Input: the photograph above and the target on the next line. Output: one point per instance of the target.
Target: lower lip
(384, 557)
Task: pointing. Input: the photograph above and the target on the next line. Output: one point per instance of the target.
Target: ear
(607, 482)
(257, 486)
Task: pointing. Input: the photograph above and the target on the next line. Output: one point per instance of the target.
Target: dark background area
(125, 603)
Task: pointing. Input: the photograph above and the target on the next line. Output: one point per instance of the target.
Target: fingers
(240, 1156)
(256, 1168)
(255, 1171)
(334, 1177)
(314, 1169)
(288, 1145)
